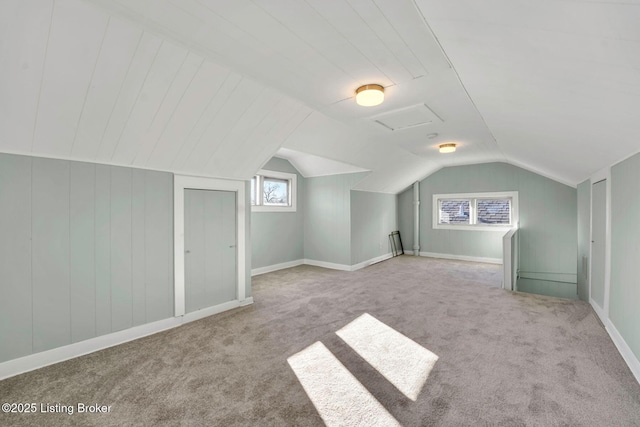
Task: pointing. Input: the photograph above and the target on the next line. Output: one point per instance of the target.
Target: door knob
(232, 246)
(187, 252)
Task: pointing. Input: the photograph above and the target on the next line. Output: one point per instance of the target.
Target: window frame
(293, 191)
(473, 212)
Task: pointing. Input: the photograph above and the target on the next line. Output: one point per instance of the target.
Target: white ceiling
(216, 87)
(312, 166)
(80, 84)
(558, 82)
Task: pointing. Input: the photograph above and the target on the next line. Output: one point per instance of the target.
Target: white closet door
(210, 248)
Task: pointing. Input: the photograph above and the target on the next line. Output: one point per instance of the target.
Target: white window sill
(500, 228)
(273, 208)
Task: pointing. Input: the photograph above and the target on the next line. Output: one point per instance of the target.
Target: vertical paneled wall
(548, 224)
(16, 292)
(327, 219)
(464, 179)
(584, 227)
(373, 218)
(85, 250)
(277, 237)
(158, 245)
(624, 293)
(82, 221)
(247, 238)
(50, 261)
(405, 219)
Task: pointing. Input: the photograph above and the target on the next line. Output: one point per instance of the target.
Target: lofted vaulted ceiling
(217, 87)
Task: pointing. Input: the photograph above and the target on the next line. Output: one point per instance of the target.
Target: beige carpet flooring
(503, 359)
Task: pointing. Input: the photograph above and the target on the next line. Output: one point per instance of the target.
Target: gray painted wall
(548, 221)
(598, 241)
(247, 238)
(278, 237)
(332, 223)
(373, 218)
(584, 221)
(405, 219)
(624, 293)
(85, 250)
(327, 219)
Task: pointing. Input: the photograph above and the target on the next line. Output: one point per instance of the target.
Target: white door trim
(181, 183)
(602, 175)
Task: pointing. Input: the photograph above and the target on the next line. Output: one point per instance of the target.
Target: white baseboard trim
(462, 257)
(568, 278)
(371, 261)
(599, 311)
(31, 362)
(624, 349)
(276, 267)
(622, 346)
(28, 363)
(331, 265)
(210, 311)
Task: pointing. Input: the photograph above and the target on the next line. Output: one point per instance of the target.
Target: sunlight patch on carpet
(402, 361)
(338, 396)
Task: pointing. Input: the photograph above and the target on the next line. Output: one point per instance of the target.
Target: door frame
(180, 184)
(602, 175)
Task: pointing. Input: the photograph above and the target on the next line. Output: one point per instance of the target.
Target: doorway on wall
(216, 248)
(210, 248)
(598, 242)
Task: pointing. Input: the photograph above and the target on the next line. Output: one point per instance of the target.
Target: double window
(273, 191)
(475, 211)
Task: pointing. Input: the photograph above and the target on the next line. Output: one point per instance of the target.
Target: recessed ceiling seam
(200, 117)
(133, 105)
(240, 117)
(168, 121)
(285, 139)
(424, 19)
(86, 93)
(349, 41)
(44, 66)
(115, 103)
(306, 43)
(380, 38)
(208, 126)
(424, 67)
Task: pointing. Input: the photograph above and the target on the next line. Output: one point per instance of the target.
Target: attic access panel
(405, 118)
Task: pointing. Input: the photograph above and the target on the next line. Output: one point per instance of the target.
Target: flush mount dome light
(370, 95)
(447, 148)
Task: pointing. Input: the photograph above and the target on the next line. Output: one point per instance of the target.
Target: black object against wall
(396, 242)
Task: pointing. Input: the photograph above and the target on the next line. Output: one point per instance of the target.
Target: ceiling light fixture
(370, 95)
(447, 148)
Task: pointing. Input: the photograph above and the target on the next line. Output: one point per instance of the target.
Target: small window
(476, 211)
(273, 191)
(455, 212)
(494, 211)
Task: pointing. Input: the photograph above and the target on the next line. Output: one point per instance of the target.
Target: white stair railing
(510, 259)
